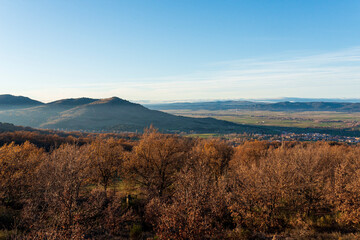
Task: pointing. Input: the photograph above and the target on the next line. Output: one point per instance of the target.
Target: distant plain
(310, 119)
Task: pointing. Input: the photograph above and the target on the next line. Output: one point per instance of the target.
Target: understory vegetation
(169, 187)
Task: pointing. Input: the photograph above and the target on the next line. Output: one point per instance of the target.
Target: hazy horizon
(180, 51)
(151, 102)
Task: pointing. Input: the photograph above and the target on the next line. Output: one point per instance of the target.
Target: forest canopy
(171, 187)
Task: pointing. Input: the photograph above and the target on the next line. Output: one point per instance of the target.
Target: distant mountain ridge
(111, 114)
(119, 115)
(8, 101)
(248, 105)
(297, 99)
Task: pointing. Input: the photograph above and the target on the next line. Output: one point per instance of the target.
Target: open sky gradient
(180, 50)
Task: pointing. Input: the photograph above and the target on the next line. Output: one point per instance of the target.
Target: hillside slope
(118, 115)
(8, 101)
(112, 114)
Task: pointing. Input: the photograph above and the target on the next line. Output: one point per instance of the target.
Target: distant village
(239, 138)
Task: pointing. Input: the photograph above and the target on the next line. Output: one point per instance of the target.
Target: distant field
(204, 135)
(311, 119)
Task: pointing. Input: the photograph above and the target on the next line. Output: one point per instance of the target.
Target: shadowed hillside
(112, 114)
(8, 127)
(38, 115)
(8, 101)
(118, 114)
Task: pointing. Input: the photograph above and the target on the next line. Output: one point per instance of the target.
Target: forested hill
(248, 105)
(8, 127)
(8, 101)
(119, 115)
(112, 114)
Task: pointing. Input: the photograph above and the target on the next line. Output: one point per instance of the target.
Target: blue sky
(180, 50)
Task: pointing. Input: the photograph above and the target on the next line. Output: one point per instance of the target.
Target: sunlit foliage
(170, 187)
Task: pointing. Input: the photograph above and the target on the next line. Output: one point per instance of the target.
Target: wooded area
(169, 187)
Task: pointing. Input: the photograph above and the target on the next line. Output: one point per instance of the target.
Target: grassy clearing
(124, 188)
(121, 188)
(203, 135)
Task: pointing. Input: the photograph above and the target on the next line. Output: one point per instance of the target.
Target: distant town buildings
(239, 138)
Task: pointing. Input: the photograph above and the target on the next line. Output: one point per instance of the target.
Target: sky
(180, 50)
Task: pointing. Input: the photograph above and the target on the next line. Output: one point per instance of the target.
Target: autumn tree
(347, 190)
(18, 168)
(63, 177)
(197, 209)
(155, 161)
(105, 158)
(258, 193)
(296, 181)
(250, 152)
(215, 153)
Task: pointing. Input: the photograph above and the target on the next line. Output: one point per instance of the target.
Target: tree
(215, 153)
(197, 209)
(155, 161)
(63, 176)
(105, 161)
(347, 190)
(18, 168)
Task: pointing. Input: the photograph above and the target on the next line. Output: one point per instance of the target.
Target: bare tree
(105, 161)
(155, 161)
(64, 175)
(197, 209)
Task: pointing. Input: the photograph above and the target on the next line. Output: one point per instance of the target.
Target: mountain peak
(74, 101)
(113, 101)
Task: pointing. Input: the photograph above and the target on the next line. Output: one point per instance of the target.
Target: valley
(313, 119)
